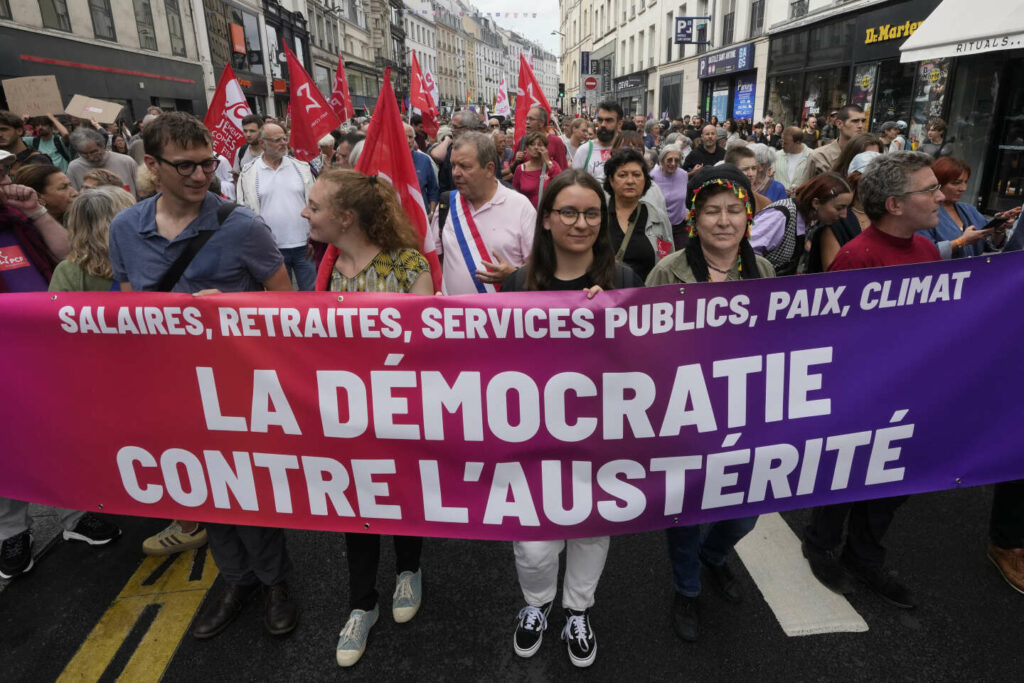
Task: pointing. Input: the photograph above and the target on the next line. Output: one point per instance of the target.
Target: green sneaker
(408, 595)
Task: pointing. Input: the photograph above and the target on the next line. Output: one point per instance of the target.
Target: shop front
(602, 65)
(671, 95)
(728, 83)
(631, 93)
(854, 58)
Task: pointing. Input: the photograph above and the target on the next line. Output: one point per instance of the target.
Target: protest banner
(89, 108)
(33, 95)
(515, 416)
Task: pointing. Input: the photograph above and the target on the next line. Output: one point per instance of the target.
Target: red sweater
(874, 248)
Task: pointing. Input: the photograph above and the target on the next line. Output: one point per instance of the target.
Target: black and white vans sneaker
(532, 622)
(580, 637)
(16, 555)
(92, 530)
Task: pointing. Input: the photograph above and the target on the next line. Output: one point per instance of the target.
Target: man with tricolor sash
(488, 231)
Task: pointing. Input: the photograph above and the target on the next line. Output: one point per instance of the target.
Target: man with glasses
(463, 121)
(537, 120)
(592, 155)
(92, 153)
(901, 196)
(276, 186)
(238, 255)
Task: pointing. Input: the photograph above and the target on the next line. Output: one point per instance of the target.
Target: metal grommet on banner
(988, 260)
(366, 526)
(675, 520)
(958, 481)
(100, 506)
(682, 290)
(53, 298)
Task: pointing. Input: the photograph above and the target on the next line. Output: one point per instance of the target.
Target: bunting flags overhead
(312, 118)
(225, 114)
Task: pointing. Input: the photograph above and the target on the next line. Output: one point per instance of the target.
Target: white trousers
(537, 566)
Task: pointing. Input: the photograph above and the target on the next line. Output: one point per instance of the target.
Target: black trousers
(866, 522)
(364, 559)
(249, 554)
(1006, 528)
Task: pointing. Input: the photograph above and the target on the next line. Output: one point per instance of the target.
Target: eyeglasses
(187, 168)
(925, 190)
(570, 215)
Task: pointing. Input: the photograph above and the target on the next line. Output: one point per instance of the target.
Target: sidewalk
(46, 530)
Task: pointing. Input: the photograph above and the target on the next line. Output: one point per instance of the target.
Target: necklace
(723, 271)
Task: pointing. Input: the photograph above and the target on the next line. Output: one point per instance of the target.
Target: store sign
(629, 82)
(584, 62)
(739, 58)
(880, 34)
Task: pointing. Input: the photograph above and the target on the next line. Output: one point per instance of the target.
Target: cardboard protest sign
(33, 95)
(89, 108)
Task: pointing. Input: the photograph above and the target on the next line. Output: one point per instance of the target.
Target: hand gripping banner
(516, 416)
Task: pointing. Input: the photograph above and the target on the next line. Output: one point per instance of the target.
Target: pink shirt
(528, 182)
(506, 225)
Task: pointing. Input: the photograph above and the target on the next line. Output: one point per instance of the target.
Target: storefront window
(720, 99)
(825, 91)
(864, 81)
(831, 42)
(893, 94)
(253, 60)
(970, 128)
(1009, 169)
(784, 98)
(932, 78)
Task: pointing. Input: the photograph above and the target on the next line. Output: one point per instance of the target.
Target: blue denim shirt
(947, 231)
(428, 180)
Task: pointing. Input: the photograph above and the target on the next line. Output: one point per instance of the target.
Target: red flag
(421, 98)
(312, 117)
(386, 153)
(528, 95)
(224, 117)
(341, 102)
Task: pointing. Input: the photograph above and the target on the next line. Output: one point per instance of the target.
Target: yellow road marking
(178, 597)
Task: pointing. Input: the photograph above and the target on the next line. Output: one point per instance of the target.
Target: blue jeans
(688, 546)
(300, 267)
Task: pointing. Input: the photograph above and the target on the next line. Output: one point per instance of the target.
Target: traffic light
(561, 89)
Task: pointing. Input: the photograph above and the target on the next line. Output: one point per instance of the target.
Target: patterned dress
(388, 271)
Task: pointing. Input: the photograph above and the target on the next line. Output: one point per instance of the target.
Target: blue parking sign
(684, 30)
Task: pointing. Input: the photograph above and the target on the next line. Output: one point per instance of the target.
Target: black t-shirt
(625, 278)
(639, 256)
(701, 156)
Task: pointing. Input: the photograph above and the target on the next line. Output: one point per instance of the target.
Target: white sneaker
(352, 640)
(408, 595)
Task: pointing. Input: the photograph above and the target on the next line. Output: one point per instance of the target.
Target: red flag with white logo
(528, 95)
(225, 114)
(386, 154)
(420, 98)
(312, 117)
(341, 101)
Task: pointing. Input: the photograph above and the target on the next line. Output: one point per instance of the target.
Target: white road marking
(804, 607)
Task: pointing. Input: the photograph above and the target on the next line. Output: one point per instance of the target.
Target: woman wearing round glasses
(571, 251)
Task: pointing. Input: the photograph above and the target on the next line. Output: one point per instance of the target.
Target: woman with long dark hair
(571, 251)
(721, 211)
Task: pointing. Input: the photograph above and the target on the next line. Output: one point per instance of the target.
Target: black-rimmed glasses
(570, 215)
(187, 168)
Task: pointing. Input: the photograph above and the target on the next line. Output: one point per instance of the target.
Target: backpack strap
(590, 151)
(195, 243)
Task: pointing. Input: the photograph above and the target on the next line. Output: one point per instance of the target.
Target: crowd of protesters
(591, 204)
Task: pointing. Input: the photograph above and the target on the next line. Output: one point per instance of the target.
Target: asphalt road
(967, 625)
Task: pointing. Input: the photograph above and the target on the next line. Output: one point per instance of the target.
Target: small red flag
(341, 102)
(528, 95)
(225, 114)
(421, 98)
(386, 153)
(312, 117)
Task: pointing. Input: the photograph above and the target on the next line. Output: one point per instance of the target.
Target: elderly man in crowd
(92, 153)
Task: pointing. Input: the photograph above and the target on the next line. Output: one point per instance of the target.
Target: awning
(958, 28)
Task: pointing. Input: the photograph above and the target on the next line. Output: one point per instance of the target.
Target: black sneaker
(92, 530)
(826, 568)
(724, 580)
(533, 621)
(685, 617)
(16, 555)
(582, 643)
(883, 583)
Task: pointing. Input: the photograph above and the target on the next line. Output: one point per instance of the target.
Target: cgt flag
(312, 117)
(224, 117)
(341, 101)
(529, 95)
(430, 85)
(501, 106)
(386, 153)
(421, 99)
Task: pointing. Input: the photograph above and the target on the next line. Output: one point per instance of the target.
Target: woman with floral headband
(721, 210)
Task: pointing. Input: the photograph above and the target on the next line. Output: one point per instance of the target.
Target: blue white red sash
(471, 244)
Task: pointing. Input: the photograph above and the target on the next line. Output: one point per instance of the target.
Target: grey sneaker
(408, 595)
(352, 640)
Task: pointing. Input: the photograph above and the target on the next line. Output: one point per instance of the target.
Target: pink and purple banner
(516, 416)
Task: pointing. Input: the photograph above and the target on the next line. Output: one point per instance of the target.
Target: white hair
(326, 140)
(765, 155)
